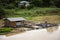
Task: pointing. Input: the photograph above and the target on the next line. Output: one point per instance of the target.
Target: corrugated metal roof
(16, 19)
(24, 2)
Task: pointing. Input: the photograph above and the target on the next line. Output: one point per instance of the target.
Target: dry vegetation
(51, 19)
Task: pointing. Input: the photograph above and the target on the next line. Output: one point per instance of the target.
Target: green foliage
(5, 30)
(32, 12)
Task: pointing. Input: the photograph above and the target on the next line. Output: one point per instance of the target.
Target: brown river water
(52, 33)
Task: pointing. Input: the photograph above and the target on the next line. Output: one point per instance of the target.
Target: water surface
(52, 33)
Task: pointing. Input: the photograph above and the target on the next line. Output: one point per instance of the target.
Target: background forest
(37, 3)
(11, 8)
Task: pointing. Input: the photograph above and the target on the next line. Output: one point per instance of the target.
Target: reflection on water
(52, 29)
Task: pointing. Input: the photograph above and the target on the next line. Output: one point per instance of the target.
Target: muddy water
(52, 33)
(2, 37)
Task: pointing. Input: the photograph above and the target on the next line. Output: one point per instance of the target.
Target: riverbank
(37, 19)
(52, 33)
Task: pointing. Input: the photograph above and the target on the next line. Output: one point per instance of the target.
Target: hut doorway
(18, 24)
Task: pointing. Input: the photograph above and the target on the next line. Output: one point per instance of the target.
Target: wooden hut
(14, 22)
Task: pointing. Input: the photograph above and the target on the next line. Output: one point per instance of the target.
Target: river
(52, 33)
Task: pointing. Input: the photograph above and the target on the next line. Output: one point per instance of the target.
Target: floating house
(14, 22)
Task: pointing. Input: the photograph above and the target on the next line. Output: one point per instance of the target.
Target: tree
(46, 3)
(2, 14)
(57, 3)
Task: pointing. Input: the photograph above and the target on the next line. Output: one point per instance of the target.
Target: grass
(32, 12)
(5, 30)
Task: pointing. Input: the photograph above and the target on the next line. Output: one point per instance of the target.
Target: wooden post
(46, 23)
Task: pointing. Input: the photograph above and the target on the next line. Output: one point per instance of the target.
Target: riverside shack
(14, 22)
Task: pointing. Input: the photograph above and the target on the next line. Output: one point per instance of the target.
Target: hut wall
(12, 24)
(6, 23)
